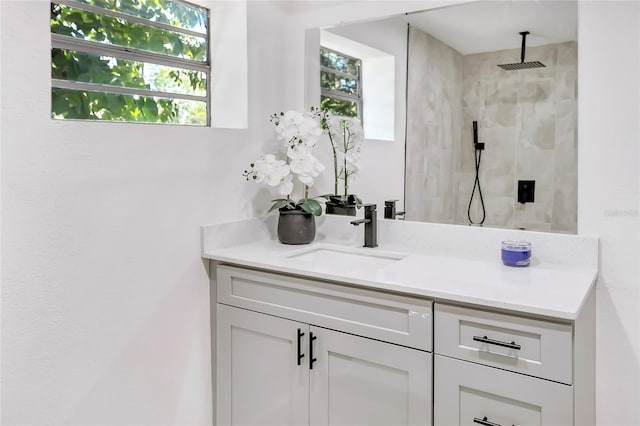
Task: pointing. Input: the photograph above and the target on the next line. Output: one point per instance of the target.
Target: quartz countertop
(546, 288)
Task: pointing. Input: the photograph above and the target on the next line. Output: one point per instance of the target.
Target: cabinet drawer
(534, 347)
(473, 394)
(391, 318)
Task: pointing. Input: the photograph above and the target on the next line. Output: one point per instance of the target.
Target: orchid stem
(335, 163)
(346, 174)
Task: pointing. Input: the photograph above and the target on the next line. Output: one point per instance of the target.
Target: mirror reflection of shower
(527, 120)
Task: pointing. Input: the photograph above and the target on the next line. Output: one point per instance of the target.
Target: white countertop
(545, 288)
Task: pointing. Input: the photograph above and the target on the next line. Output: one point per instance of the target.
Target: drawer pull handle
(485, 339)
(485, 422)
(300, 354)
(312, 359)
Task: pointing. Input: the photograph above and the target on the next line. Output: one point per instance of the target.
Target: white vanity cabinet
(502, 369)
(416, 336)
(258, 379)
(297, 351)
(293, 351)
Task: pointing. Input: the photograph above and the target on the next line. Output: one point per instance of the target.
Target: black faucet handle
(370, 210)
(390, 209)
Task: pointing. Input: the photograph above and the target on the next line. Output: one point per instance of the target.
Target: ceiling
(487, 26)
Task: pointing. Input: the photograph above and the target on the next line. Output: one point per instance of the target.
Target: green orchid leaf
(311, 206)
(279, 203)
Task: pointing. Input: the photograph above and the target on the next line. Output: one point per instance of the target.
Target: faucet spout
(370, 225)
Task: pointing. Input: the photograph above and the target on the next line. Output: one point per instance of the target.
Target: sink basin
(345, 260)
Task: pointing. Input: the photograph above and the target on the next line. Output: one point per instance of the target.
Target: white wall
(609, 194)
(105, 311)
(105, 300)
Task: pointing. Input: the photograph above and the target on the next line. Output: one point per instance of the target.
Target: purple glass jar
(516, 253)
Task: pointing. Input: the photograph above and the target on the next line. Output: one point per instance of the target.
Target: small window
(340, 83)
(135, 61)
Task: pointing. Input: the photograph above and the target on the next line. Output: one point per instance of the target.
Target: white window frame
(60, 41)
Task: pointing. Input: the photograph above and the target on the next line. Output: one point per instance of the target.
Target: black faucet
(390, 210)
(370, 225)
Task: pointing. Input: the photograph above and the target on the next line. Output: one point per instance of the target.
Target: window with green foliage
(340, 83)
(130, 60)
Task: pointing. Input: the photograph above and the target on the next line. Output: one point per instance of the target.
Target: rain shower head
(522, 65)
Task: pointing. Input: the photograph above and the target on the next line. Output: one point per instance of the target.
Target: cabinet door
(359, 381)
(471, 394)
(259, 381)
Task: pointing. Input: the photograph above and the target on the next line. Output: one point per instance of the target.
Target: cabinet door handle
(485, 339)
(300, 354)
(484, 421)
(312, 359)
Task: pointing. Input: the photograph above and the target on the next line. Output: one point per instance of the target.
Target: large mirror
(467, 67)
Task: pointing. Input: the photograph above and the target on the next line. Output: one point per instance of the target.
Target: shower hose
(478, 148)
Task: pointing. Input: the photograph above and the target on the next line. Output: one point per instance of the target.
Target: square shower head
(522, 65)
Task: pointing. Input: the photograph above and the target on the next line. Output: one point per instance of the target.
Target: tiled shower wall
(434, 114)
(526, 118)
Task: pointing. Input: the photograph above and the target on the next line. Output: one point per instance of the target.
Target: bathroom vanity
(418, 331)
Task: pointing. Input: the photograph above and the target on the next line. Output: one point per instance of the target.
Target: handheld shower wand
(478, 147)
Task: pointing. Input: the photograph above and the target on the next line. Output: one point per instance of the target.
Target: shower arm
(524, 42)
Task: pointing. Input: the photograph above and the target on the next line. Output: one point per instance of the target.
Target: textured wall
(526, 118)
(434, 113)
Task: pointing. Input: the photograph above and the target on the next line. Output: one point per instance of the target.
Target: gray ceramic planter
(342, 205)
(341, 209)
(296, 227)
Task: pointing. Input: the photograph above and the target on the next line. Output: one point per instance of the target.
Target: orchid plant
(346, 137)
(299, 132)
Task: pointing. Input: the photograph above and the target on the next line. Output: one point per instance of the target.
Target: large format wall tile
(526, 118)
(434, 110)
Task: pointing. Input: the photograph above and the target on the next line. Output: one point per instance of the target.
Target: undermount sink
(338, 259)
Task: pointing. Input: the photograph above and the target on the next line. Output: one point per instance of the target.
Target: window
(134, 60)
(340, 83)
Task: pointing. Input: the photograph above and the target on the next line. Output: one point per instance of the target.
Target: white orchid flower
(286, 185)
(269, 170)
(292, 117)
(306, 179)
(300, 132)
(298, 151)
(295, 127)
(309, 129)
(285, 125)
(307, 168)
